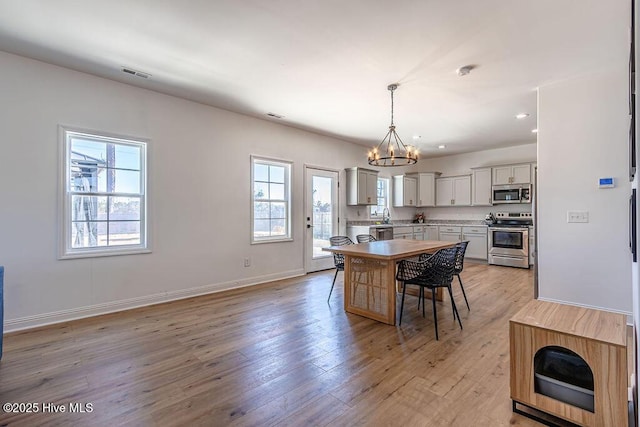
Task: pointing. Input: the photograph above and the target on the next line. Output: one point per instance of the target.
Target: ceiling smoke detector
(463, 71)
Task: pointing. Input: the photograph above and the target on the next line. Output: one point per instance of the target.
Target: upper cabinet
(404, 190)
(426, 191)
(512, 174)
(481, 187)
(362, 185)
(453, 191)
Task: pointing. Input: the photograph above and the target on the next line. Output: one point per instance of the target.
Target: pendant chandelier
(392, 151)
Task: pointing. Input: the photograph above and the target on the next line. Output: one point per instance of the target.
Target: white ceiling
(325, 64)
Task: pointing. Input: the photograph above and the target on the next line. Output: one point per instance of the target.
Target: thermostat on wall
(606, 183)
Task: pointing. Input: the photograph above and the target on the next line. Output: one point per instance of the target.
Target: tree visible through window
(271, 200)
(105, 200)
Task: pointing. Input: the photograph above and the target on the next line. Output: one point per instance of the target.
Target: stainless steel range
(509, 239)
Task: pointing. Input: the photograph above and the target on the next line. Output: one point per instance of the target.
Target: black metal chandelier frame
(392, 151)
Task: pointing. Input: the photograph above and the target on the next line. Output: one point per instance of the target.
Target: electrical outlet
(247, 262)
(577, 216)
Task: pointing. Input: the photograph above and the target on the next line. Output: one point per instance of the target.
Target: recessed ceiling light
(534, 130)
(522, 115)
(417, 136)
(442, 146)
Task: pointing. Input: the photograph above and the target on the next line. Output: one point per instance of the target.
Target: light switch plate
(577, 216)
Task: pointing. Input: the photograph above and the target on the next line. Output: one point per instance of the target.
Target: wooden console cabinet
(599, 337)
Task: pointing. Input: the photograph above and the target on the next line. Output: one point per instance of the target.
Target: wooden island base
(369, 274)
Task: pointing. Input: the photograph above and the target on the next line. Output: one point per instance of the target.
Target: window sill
(104, 253)
(260, 242)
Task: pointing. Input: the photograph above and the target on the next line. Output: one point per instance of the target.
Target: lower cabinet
(402, 233)
(449, 233)
(431, 232)
(477, 237)
(418, 232)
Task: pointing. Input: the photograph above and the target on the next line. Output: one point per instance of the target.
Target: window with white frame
(383, 198)
(104, 207)
(271, 200)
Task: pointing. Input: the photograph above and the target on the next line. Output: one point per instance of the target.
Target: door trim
(305, 198)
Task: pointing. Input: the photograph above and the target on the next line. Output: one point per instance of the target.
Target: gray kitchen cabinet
(477, 237)
(362, 187)
(481, 187)
(431, 232)
(426, 188)
(418, 232)
(453, 191)
(404, 191)
(512, 174)
(449, 233)
(402, 233)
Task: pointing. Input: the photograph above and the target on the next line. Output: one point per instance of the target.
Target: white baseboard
(626, 313)
(38, 320)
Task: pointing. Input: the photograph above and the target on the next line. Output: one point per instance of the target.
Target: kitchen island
(369, 274)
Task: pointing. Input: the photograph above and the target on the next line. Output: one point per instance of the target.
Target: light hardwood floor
(276, 354)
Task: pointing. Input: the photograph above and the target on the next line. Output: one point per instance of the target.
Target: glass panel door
(321, 217)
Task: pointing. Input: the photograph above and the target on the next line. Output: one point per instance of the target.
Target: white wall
(199, 194)
(583, 135)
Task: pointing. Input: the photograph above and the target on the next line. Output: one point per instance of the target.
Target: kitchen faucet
(386, 216)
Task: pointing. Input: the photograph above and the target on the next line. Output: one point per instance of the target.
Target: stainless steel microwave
(513, 193)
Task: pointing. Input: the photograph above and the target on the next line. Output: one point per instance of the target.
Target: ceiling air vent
(136, 73)
(274, 115)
